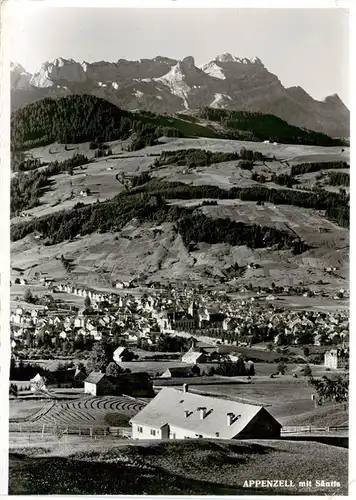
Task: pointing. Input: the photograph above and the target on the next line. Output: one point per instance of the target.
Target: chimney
(230, 417)
(186, 413)
(185, 387)
(202, 412)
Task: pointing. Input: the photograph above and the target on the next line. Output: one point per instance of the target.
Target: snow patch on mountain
(84, 65)
(101, 84)
(20, 78)
(138, 94)
(115, 85)
(213, 70)
(175, 80)
(41, 79)
(159, 97)
(227, 58)
(219, 99)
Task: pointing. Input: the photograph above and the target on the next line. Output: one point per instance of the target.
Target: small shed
(192, 357)
(97, 384)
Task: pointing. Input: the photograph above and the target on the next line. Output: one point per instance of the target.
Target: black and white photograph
(179, 212)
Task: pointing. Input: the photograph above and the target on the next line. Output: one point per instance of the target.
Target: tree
(81, 367)
(331, 388)
(229, 368)
(113, 369)
(28, 296)
(307, 371)
(282, 367)
(270, 347)
(13, 390)
(87, 302)
(306, 351)
(100, 356)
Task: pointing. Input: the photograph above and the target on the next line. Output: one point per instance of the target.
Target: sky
(303, 47)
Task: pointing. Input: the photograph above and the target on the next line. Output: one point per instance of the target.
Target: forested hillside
(81, 118)
(259, 126)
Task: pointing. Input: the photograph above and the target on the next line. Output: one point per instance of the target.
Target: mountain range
(165, 85)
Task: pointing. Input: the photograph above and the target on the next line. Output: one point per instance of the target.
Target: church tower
(194, 312)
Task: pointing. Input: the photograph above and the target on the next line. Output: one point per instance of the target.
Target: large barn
(174, 414)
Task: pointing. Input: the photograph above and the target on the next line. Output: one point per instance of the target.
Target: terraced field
(90, 411)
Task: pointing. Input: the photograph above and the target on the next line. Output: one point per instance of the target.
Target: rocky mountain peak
(188, 62)
(224, 58)
(166, 85)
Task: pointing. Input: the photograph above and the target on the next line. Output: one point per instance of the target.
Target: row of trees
(229, 368)
(336, 205)
(339, 179)
(199, 228)
(202, 158)
(306, 168)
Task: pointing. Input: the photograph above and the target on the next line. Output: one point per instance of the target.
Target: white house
(120, 354)
(79, 322)
(335, 358)
(174, 414)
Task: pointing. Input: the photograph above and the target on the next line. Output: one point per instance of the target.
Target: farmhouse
(97, 383)
(122, 354)
(174, 414)
(193, 358)
(335, 358)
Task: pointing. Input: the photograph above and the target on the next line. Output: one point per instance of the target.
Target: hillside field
(190, 468)
(139, 250)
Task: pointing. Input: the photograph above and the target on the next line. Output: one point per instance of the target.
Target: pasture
(190, 467)
(101, 259)
(99, 175)
(287, 398)
(84, 411)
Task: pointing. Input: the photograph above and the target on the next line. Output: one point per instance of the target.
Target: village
(160, 339)
(139, 319)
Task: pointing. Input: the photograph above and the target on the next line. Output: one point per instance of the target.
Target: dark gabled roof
(180, 370)
(95, 377)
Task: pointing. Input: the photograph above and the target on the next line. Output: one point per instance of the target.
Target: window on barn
(139, 429)
(153, 432)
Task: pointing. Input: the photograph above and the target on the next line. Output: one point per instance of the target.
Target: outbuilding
(97, 383)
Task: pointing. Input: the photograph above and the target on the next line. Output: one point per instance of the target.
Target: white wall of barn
(89, 388)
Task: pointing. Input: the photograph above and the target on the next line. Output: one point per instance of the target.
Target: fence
(58, 430)
(308, 429)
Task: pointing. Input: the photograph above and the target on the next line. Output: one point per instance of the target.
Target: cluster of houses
(206, 314)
